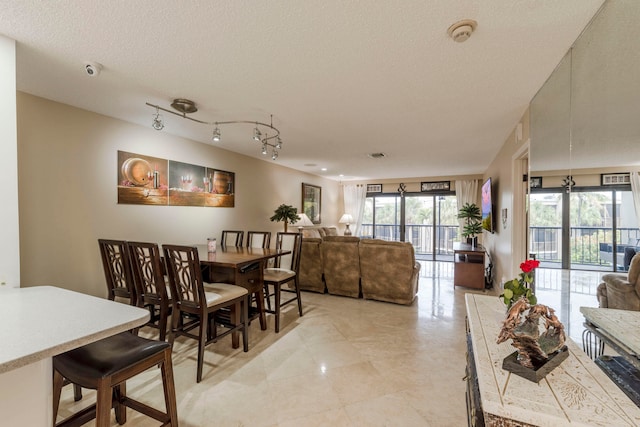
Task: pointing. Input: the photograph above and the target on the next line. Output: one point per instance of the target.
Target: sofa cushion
(311, 233)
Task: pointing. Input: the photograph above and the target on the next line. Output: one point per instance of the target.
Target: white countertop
(44, 321)
(576, 393)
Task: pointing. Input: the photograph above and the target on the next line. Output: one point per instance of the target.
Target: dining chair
(195, 303)
(286, 271)
(228, 237)
(117, 270)
(258, 239)
(105, 366)
(151, 287)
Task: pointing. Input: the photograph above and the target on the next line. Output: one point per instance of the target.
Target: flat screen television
(487, 206)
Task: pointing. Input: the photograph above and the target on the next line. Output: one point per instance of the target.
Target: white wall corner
(9, 232)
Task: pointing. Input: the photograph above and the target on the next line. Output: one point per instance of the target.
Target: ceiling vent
(377, 155)
(462, 30)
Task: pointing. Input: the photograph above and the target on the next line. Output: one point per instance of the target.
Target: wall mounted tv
(487, 207)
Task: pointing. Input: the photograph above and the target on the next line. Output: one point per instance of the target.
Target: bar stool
(105, 366)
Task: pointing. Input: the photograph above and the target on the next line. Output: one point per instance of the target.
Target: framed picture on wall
(535, 182)
(615, 178)
(312, 202)
(374, 188)
(428, 187)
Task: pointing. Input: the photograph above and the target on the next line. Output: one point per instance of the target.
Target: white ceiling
(341, 78)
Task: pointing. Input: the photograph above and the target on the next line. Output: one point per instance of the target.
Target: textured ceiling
(341, 78)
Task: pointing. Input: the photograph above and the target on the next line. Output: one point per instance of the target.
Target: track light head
(264, 149)
(216, 134)
(278, 143)
(257, 135)
(274, 155)
(158, 122)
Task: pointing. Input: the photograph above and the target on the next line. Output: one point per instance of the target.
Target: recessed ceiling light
(323, 169)
(377, 155)
(341, 175)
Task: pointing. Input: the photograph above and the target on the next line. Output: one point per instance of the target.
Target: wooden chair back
(259, 239)
(232, 238)
(185, 276)
(292, 242)
(117, 270)
(147, 270)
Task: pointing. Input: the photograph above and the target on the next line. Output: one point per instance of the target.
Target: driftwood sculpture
(534, 348)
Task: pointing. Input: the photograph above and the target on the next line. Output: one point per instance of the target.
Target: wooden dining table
(239, 266)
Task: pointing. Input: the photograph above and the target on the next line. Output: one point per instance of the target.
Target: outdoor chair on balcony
(620, 290)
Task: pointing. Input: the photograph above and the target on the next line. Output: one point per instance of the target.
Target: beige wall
(509, 193)
(68, 199)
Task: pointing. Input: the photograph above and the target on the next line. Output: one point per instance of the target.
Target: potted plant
(521, 286)
(472, 216)
(286, 213)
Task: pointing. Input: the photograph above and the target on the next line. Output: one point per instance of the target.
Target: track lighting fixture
(183, 107)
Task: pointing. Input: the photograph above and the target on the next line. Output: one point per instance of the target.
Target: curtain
(354, 196)
(635, 190)
(466, 192)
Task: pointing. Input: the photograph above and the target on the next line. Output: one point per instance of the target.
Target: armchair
(621, 291)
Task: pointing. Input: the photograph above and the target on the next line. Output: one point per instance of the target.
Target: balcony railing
(420, 236)
(590, 246)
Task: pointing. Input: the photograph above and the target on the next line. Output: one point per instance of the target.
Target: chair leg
(104, 402)
(245, 323)
(119, 394)
(276, 292)
(77, 393)
(169, 389)
(202, 338)
(58, 381)
(298, 295)
(260, 295)
(235, 320)
(162, 322)
(267, 296)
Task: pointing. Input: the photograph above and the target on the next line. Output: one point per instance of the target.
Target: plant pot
(473, 241)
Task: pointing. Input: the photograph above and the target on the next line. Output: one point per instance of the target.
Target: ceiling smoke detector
(462, 30)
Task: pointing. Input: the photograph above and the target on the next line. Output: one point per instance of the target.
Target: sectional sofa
(359, 268)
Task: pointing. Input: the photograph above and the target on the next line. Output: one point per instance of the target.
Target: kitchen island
(39, 323)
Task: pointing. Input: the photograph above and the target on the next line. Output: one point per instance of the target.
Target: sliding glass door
(428, 222)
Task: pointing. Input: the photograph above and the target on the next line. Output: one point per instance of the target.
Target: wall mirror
(585, 123)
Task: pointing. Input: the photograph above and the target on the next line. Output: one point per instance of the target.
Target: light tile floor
(346, 362)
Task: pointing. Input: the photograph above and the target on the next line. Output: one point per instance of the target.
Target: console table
(575, 393)
(468, 269)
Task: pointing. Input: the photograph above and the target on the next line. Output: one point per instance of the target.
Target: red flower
(529, 265)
